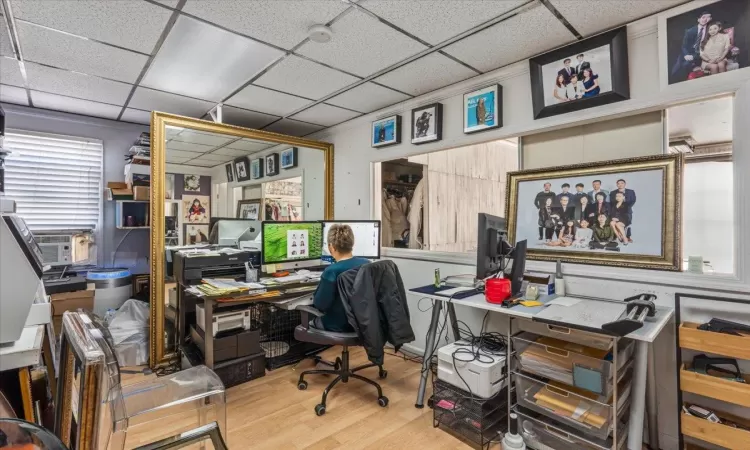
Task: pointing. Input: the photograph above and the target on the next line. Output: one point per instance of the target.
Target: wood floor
(271, 413)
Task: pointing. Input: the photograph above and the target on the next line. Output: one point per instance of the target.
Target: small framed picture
(241, 166)
(248, 209)
(192, 183)
(289, 158)
(483, 109)
(427, 124)
(272, 164)
(230, 172)
(386, 132)
(256, 169)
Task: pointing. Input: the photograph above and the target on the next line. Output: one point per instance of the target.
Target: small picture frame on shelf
(289, 158)
(272, 164)
(256, 169)
(386, 131)
(427, 124)
(242, 167)
(483, 109)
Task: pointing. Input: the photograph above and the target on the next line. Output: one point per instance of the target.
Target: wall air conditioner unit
(56, 249)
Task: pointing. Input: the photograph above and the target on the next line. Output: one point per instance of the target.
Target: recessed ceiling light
(319, 33)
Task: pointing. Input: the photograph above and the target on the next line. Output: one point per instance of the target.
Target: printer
(23, 300)
(483, 376)
(192, 265)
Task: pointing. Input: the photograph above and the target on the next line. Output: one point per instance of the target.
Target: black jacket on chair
(375, 303)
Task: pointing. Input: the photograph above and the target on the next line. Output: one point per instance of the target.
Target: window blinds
(54, 180)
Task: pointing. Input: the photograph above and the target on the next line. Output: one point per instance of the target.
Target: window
(54, 180)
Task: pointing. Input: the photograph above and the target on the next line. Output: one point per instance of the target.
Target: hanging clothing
(398, 208)
(415, 215)
(385, 222)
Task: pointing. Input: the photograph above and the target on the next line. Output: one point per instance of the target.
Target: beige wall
(628, 137)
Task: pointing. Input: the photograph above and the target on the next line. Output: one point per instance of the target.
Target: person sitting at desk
(327, 298)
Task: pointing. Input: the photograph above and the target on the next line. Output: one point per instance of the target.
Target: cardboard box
(544, 283)
(141, 193)
(71, 301)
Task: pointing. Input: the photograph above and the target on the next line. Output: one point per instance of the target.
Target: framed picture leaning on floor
(619, 213)
(589, 73)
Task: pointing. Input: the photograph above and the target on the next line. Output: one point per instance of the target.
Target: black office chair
(340, 367)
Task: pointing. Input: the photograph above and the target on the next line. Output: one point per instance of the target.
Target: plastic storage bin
(586, 338)
(538, 431)
(569, 363)
(590, 414)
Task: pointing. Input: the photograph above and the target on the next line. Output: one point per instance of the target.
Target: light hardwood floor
(271, 413)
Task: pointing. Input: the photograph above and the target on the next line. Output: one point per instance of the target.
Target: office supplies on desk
(497, 290)
(457, 292)
(638, 308)
(559, 280)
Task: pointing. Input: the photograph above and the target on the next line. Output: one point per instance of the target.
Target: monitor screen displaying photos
(291, 241)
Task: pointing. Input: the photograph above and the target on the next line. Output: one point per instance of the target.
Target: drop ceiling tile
(203, 162)
(203, 61)
(326, 115)
(133, 24)
(73, 84)
(10, 72)
(215, 157)
(512, 40)
(426, 74)
(189, 147)
(362, 45)
(74, 105)
(176, 160)
(266, 100)
(293, 127)
(233, 153)
(6, 49)
(170, 3)
(304, 78)
(247, 145)
(367, 98)
(62, 50)
(195, 137)
(592, 17)
(434, 21)
(136, 116)
(282, 23)
(244, 118)
(13, 94)
(173, 154)
(151, 100)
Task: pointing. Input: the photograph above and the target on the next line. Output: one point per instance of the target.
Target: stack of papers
(215, 286)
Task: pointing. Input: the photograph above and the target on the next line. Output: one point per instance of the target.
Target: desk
(644, 377)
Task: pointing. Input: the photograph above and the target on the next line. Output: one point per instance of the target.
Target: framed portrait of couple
(702, 39)
(621, 213)
(589, 73)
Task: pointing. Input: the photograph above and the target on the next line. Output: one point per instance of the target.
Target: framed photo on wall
(619, 213)
(700, 41)
(483, 109)
(230, 172)
(248, 209)
(256, 168)
(242, 167)
(427, 124)
(289, 158)
(191, 183)
(386, 132)
(589, 73)
(272, 164)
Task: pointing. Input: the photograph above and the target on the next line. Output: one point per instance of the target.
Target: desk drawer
(538, 431)
(586, 338)
(572, 364)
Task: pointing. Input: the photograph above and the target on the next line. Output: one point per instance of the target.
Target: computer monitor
(492, 245)
(366, 238)
(292, 245)
(233, 232)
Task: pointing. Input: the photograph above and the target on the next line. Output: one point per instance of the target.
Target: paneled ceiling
(121, 59)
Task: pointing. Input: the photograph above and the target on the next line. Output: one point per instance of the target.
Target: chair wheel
(320, 410)
(383, 401)
(302, 385)
(383, 374)
(337, 364)
(430, 403)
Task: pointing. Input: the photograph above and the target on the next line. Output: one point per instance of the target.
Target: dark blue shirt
(327, 298)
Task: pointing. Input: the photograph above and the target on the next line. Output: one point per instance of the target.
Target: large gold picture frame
(668, 214)
(159, 122)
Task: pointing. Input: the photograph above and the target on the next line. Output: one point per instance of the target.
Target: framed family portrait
(230, 172)
(701, 39)
(242, 168)
(483, 109)
(620, 213)
(248, 209)
(272, 164)
(589, 73)
(427, 124)
(256, 168)
(289, 158)
(386, 132)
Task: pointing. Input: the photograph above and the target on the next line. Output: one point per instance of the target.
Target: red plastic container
(497, 289)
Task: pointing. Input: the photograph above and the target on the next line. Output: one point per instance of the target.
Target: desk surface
(25, 351)
(652, 326)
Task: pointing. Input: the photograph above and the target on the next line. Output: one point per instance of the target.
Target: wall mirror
(254, 173)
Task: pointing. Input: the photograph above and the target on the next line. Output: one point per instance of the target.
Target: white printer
(483, 375)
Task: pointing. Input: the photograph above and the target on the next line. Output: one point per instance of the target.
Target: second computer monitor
(291, 245)
(366, 238)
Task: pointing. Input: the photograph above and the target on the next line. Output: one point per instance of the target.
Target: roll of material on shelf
(113, 288)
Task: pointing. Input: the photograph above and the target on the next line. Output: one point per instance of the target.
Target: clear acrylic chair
(149, 411)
